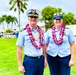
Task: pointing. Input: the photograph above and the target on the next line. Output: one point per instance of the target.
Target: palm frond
(15, 9)
(22, 10)
(13, 5)
(11, 8)
(10, 2)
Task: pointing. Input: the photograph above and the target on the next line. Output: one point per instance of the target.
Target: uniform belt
(37, 57)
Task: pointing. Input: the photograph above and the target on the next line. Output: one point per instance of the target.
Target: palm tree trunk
(18, 14)
(3, 27)
(19, 18)
(7, 26)
(11, 26)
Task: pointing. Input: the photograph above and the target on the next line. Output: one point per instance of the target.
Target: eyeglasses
(33, 17)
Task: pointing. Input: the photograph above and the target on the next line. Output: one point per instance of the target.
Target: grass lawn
(8, 61)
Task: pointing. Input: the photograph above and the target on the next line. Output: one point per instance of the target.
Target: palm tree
(8, 20)
(3, 20)
(21, 6)
(0, 20)
(13, 21)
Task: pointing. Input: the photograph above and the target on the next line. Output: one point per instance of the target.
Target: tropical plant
(48, 12)
(8, 19)
(8, 30)
(3, 20)
(0, 20)
(21, 6)
(13, 21)
(69, 18)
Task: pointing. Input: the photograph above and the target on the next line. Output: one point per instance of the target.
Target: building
(73, 28)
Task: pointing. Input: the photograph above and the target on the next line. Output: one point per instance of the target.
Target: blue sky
(66, 5)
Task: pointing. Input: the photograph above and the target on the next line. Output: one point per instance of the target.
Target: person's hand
(71, 62)
(45, 63)
(21, 69)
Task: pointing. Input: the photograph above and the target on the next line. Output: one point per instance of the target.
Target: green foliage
(20, 5)
(59, 10)
(69, 18)
(75, 21)
(13, 5)
(8, 19)
(9, 30)
(0, 20)
(47, 14)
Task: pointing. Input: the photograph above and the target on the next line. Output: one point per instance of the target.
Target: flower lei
(61, 34)
(32, 38)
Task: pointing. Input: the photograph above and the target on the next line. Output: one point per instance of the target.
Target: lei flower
(32, 38)
(61, 34)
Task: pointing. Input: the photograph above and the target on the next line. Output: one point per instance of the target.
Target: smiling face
(33, 20)
(58, 22)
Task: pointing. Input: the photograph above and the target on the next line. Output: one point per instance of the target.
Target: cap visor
(57, 17)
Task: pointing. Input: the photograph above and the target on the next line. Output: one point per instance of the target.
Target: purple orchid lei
(32, 38)
(61, 34)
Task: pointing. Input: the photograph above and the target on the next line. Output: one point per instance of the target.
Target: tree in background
(3, 20)
(48, 12)
(8, 19)
(69, 19)
(13, 21)
(21, 6)
(74, 20)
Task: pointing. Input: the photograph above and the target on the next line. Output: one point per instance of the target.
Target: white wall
(73, 28)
